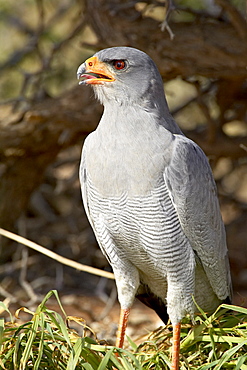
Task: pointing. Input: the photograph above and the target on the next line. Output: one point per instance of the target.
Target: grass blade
(74, 355)
(1, 332)
(105, 360)
(28, 347)
(41, 342)
(229, 354)
(5, 308)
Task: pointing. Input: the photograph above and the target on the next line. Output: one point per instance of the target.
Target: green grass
(45, 342)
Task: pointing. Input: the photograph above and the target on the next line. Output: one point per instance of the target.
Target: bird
(150, 196)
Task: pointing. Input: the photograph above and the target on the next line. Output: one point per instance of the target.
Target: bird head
(123, 75)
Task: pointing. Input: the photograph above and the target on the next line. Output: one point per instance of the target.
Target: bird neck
(139, 116)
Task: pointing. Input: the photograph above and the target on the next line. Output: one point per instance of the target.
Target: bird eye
(119, 64)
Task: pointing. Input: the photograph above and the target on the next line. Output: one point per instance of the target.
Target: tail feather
(145, 295)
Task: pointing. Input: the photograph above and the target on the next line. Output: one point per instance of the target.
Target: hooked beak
(94, 72)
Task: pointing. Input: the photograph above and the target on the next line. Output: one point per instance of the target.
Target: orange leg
(176, 346)
(123, 319)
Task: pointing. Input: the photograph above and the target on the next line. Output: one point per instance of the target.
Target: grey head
(126, 76)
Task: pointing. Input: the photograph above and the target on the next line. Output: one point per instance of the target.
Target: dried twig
(169, 6)
(55, 256)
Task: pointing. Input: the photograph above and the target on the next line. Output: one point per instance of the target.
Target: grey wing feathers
(83, 178)
(84, 190)
(193, 192)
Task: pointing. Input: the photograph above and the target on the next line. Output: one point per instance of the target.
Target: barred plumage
(150, 196)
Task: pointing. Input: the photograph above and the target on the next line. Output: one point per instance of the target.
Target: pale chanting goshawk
(150, 196)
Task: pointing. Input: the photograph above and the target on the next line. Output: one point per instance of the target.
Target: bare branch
(235, 17)
(55, 256)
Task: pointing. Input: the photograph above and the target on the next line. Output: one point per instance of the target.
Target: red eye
(119, 64)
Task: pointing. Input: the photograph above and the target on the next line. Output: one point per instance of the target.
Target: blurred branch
(37, 34)
(18, 55)
(236, 18)
(198, 48)
(223, 146)
(23, 277)
(9, 267)
(55, 256)
(29, 145)
(169, 7)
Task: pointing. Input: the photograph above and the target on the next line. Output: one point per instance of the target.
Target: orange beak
(94, 72)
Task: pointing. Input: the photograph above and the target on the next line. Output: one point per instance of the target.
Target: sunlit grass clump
(46, 342)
